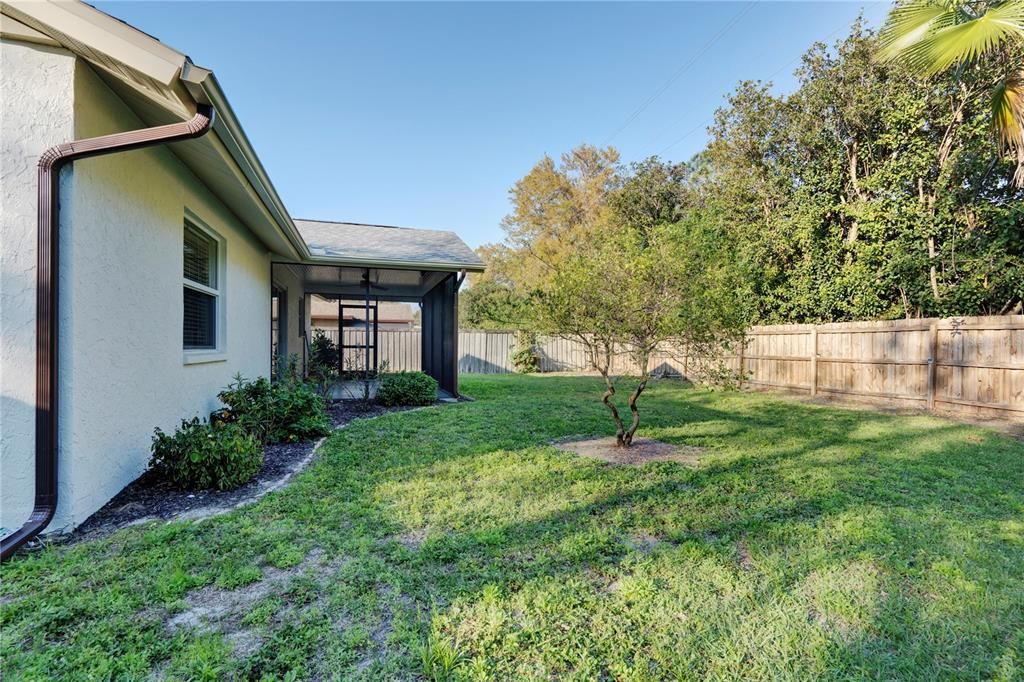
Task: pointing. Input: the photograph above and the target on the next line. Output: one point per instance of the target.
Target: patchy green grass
(456, 543)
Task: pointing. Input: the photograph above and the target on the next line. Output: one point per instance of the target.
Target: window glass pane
(200, 257)
(200, 320)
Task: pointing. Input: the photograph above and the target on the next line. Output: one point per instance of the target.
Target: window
(201, 289)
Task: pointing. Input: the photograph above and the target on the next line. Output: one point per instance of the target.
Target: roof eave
(175, 85)
(202, 85)
(396, 264)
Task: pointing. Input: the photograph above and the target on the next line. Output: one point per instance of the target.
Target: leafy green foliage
(644, 279)
(440, 660)
(285, 368)
(525, 358)
(812, 543)
(323, 355)
(487, 304)
(867, 193)
(555, 206)
(407, 388)
(198, 456)
(870, 192)
(323, 363)
(276, 412)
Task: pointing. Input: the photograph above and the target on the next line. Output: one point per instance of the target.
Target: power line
(681, 70)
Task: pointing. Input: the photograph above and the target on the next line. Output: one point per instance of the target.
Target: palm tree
(930, 36)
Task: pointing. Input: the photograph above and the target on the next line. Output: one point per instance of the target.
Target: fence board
(975, 367)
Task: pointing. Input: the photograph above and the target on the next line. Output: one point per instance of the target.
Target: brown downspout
(50, 163)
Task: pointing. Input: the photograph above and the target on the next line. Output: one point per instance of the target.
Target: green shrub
(282, 411)
(284, 368)
(323, 363)
(525, 359)
(199, 456)
(407, 388)
(323, 354)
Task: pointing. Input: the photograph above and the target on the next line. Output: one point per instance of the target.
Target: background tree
(554, 206)
(869, 192)
(642, 280)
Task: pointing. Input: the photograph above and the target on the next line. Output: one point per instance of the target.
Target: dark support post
(366, 339)
(439, 325)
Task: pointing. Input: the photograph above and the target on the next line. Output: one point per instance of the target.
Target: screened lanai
(363, 266)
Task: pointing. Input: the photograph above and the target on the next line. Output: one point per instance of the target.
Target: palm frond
(1008, 112)
(910, 23)
(931, 37)
(968, 41)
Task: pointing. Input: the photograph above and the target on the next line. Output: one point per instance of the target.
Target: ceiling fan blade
(366, 283)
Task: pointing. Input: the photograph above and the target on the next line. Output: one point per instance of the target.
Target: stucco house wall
(35, 112)
(123, 368)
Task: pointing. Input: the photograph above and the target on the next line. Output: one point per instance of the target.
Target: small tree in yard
(642, 282)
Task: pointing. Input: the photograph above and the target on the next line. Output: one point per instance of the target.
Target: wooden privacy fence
(971, 365)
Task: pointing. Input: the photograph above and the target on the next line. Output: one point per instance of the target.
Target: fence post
(814, 361)
(933, 343)
(743, 346)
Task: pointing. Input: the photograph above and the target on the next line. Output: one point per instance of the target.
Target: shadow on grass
(901, 501)
(437, 511)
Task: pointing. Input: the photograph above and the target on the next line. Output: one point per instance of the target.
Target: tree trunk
(627, 439)
(928, 201)
(851, 236)
(620, 430)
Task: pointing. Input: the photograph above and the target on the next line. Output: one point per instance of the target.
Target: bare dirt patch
(412, 539)
(642, 450)
(644, 543)
(743, 557)
(215, 609)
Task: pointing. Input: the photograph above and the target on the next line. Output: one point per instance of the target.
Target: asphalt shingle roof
(386, 244)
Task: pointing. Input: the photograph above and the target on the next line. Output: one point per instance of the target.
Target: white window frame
(195, 356)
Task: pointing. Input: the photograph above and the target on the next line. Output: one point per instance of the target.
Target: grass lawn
(456, 543)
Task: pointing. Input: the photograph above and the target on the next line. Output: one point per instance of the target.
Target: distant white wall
(36, 112)
(123, 370)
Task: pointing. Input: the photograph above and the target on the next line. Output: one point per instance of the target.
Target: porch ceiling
(335, 281)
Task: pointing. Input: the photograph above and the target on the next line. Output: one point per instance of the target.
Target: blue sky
(424, 114)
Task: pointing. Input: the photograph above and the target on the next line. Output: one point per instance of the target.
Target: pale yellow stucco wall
(123, 370)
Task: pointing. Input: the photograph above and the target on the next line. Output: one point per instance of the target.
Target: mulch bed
(642, 450)
(147, 498)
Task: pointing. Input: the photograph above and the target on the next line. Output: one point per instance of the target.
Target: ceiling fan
(367, 284)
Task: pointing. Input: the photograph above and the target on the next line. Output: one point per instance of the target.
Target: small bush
(285, 411)
(525, 359)
(323, 363)
(199, 456)
(407, 388)
(323, 353)
(284, 368)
